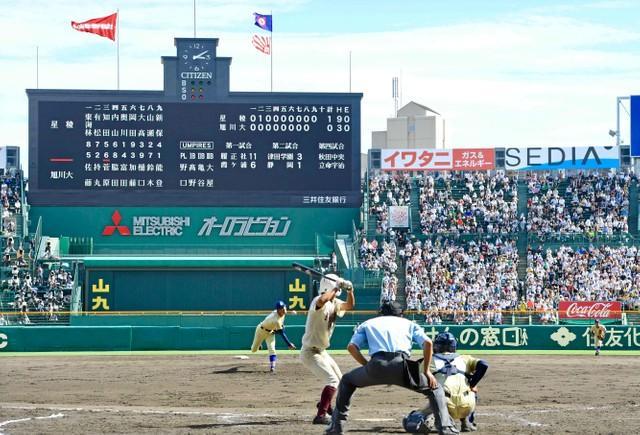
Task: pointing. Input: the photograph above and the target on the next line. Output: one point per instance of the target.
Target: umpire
(389, 338)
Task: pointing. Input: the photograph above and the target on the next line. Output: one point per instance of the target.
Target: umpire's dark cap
(391, 308)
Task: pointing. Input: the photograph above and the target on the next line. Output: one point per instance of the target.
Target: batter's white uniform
(265, 331)
(316, 339)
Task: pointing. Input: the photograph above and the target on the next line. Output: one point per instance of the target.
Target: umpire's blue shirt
(388, 334)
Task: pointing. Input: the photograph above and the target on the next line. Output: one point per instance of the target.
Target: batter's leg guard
(272, 362)
(325, 400)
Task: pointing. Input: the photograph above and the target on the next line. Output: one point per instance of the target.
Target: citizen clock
(196, 67)
(196, 57)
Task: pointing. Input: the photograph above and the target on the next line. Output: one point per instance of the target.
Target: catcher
(597, 331)
(459, 376)
(266, 330)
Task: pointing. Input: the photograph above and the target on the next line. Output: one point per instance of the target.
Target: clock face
(196, 56)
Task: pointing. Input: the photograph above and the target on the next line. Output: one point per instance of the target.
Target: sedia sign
(540, 158)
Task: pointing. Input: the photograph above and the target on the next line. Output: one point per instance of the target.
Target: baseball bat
(311, 272)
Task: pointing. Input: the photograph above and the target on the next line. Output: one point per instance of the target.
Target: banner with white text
(461, 159)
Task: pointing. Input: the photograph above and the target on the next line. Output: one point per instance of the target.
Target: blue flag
(263, 21)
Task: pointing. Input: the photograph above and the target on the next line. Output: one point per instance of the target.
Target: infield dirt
(222, 394)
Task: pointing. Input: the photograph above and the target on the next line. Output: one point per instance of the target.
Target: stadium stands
(479, 245)
(32, 290)
(594, 203)
(468, 202)
(472, 250)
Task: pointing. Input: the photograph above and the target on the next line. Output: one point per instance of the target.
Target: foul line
(224, 416)
(20, 420)
(522, 420)
(517, 415)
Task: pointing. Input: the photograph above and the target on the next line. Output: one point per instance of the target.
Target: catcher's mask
(444, 342)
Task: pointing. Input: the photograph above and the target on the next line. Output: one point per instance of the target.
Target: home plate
(241, 357)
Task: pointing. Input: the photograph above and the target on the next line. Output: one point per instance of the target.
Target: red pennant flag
(262, 43)
(105, 26)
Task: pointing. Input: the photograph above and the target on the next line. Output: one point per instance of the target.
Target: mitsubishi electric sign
(154, 226)
(211, 226)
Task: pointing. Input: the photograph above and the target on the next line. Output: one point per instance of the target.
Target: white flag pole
(271, 51)
(37, 68)
(118, 47)
(349, 71)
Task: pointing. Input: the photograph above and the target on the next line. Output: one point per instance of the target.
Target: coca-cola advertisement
(589, 310)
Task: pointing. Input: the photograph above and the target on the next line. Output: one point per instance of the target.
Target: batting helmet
(280, 305)
(327, 284)
(444, 342)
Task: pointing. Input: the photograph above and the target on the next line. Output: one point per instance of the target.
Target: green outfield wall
(236, 333)
(191, 289)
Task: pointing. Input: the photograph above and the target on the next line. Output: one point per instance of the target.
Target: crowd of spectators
(469, 202)
(25, 288)
(591, 203)
(381, 258)
(470, 282)
(604, 273)
(473, 282)
(40, 294)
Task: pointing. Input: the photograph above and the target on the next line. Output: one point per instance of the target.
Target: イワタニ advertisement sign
(463, 159)
(540, 158)
(399, 216)
(589, 310)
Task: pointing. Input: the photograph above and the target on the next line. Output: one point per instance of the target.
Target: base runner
(321, 321)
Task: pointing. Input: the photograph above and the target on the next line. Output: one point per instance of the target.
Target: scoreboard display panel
(284, 153)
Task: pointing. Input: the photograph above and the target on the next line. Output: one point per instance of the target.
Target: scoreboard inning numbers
(234, 154)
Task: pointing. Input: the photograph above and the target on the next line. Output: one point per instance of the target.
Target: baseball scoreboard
(195, 144)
